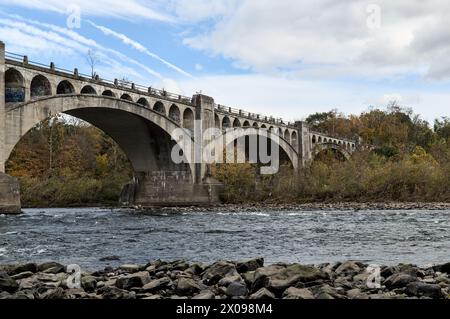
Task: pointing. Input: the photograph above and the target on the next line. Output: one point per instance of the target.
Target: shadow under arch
(143, 134)
(335, 150)
(247, 138)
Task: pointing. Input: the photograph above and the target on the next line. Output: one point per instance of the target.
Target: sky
(287, 58)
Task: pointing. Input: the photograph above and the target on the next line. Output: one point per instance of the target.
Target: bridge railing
(253, 116)
(119, 84)
(146, 90)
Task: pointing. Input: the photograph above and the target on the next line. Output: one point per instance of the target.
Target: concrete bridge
(140, 119)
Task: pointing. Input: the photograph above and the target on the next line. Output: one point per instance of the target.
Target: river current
(95, 238)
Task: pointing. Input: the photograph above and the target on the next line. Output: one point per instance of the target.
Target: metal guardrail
(147, 90)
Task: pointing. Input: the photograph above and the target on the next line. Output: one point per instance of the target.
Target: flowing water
(86, 236)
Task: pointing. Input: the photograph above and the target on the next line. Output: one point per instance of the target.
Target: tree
(92, 60)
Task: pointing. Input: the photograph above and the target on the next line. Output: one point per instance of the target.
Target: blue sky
(284, 58)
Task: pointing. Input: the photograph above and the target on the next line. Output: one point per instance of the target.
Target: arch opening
(126, 97)
(65, 87)
(226, 123)
(159, 107)
(109, 93)
(236, 123)
(188, 119)
(40, 86)
(88, 90)
(14, 86)
(174, 114)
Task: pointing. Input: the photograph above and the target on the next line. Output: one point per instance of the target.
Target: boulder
(217, 271)
(420, 289)
(348, 267)
(399, 280)
(356, 294)
(89, 283)
(236, 289)
(226, 281)
(327, 292)
(262, 294)
(249, 265)
(157, 284)
(130, 268)
(444, 268)
(109, 292)
(296, 293)
(187, 287)
(204, 295)
(195, 269)
(51, 267)
(30, 267)
(137, 279)
(278, 278)
(22, 275)
(7, 283)
(57, 293)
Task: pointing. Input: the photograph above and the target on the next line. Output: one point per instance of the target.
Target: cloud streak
(138, 46)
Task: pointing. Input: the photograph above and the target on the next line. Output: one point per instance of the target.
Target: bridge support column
(304, 144)
(9, 186)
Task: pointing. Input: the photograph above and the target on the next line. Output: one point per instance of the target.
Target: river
(86, 236)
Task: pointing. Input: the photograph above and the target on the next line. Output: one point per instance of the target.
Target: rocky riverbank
(226, 280)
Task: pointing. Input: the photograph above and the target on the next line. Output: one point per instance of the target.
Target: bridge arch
(159, 107)
(331, 146)
(246, 124)
(255, 125)
(217, 121)
(287, 136)
(236, 123)
(89, 90)
(143, 134)
(143, 101)
(40, 86)
(188, 119)
(287, 151)
(109, 93)
(174, 114)
(65, 87)
(14, 86)
(126, 97)
(226, 123)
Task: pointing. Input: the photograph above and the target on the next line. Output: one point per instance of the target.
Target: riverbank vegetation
(66, 162)
(407, 160)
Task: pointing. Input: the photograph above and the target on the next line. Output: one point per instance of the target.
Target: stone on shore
(137, 279)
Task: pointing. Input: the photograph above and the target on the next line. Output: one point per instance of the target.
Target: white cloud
(331, 37)
(295, 99)
(129, 9)
(137, 46)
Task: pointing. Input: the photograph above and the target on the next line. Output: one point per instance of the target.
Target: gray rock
(109, 292)
(30, 267)
(7, 283)
(226, 281)
(137, 279)
(262, 294)
(205, 295)
(348, 267)
(157, 284)
(249, 265)
(22, 275)
(444, 268)
(89, 283)
(57, 293)
(422, 289)
(356, 294)
(296, 293)
(278, 278)
(51, 268)
(236, 289)
(217, 271)
(399, 280)
(187, 287)
(130, 268)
